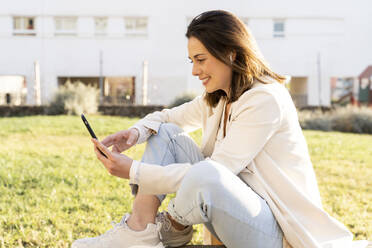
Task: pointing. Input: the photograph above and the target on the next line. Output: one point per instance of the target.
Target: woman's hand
(121, 140)
(116, 164)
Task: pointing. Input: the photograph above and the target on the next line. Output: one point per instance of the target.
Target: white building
(310, 41)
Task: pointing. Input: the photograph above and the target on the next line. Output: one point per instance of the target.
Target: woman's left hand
(117, 164)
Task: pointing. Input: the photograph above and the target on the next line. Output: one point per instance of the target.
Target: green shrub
(186, 97)
(345, 119)
(74, 99)
(353, 120)
(317, 123)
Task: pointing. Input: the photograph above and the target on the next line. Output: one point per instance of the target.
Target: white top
(265, 147)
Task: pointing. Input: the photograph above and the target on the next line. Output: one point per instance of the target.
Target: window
(279, 28)
(65, 26)
(136, 26)
(24, 25)
(100, 24)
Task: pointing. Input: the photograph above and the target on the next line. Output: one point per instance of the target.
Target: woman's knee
(167, 131)
(160, 147)
(204, 174)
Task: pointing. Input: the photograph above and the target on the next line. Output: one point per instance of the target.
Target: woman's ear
(232, 57)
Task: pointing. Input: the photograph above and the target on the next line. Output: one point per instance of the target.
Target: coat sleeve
(154, 179)
(255, 121)
(188, 116)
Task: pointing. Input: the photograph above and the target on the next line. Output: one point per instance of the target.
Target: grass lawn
(53, 190)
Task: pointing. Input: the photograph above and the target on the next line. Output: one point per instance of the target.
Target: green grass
(53, 190)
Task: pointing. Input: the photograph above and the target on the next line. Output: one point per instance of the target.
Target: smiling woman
(251, 183)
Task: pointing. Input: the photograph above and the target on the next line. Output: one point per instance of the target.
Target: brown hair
(222, 33)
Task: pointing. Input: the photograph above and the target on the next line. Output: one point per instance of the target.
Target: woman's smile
(205, 80)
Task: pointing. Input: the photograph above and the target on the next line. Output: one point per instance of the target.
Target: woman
(251, 183)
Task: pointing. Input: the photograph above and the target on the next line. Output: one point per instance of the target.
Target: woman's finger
(102, 148)
(98, 154)
(109, 140)
(103, 160)
(115, 149)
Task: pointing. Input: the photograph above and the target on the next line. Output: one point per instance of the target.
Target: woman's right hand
(121, 140)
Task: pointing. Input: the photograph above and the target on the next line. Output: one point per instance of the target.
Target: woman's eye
(198, 60)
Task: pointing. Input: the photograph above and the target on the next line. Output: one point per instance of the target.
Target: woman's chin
(208, 90)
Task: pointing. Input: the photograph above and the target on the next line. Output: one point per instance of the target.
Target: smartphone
(90, 130)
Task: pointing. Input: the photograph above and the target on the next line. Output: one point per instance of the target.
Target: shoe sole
(160, 245)
(175, 243)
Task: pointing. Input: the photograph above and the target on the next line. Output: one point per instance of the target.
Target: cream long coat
(265, 147)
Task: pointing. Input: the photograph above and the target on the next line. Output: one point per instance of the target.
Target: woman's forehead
(195, 47)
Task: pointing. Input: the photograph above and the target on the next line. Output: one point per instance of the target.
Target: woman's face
(213, 73)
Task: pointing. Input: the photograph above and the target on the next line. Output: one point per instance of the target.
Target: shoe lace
(158, 228)
(165, 222)
(162, 221)
(116, 225)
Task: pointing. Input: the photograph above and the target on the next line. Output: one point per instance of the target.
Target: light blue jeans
(211, 194)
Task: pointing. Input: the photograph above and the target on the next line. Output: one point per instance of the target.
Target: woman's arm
(188, 116)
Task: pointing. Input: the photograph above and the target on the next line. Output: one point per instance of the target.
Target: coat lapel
(211, 128)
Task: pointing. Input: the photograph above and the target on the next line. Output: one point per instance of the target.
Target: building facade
(108, 44)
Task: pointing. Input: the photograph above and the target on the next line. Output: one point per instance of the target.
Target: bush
(346, 119)
(186, 97)
(354, 120)
(74, 99)
(317, 123)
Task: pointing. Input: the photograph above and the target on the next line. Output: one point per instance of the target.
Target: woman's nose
(195, 70)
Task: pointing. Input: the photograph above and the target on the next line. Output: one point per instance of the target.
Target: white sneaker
(121, 236)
